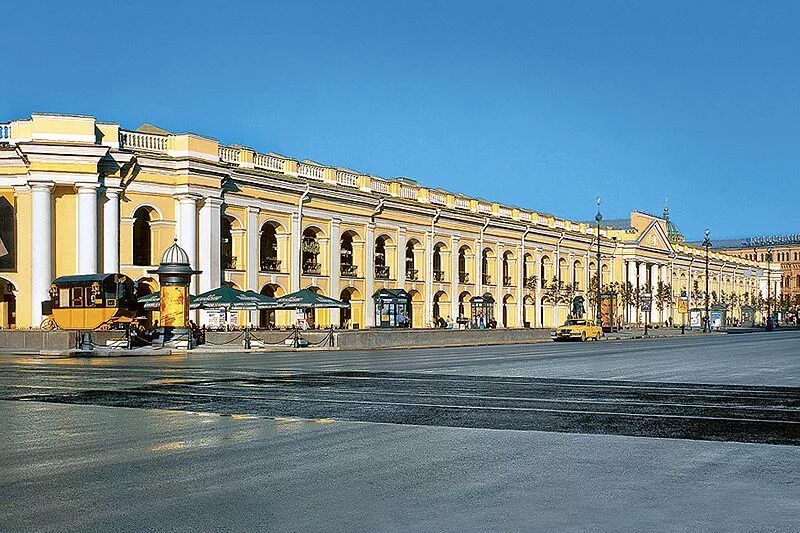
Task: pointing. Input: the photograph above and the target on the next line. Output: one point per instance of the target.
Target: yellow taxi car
(578, 328)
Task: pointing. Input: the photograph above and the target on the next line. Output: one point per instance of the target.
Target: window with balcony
(310, 253)
(268, 249)
(381, 268)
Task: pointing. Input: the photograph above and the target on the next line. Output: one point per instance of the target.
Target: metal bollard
(86, 341)
(247, 339)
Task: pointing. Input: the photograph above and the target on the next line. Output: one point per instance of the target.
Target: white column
(335, 269)
(401, 257)
(655, 317)
(537, 320)
(499, 291)
(429, 277)
(253, 259)
(209, 249)
(87, 228)
(479, 269)
(42, 249)
(294, 253)
(187, 232)
(557, 275)
(642, 285)
(369, 275)
(454, 246)
(111, 230)
(520, 283)
(666, 277)
(632, 280)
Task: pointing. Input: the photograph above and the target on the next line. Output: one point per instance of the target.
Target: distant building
(79, 196)
(785, 252)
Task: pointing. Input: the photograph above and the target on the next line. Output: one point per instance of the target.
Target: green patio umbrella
(227, 298)
(307, 299)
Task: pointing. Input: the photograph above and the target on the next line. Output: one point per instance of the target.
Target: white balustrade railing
(505, 212)
(462, 203)
(143, 142)
(525, 216)
(5, 133)
(229, 155)
(484, 208)
(313, 172)
(348, 179)
(268, 162)
(436, 197)
(379, 185)
(409, 192)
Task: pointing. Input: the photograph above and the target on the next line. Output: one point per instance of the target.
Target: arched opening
(508, 311)
(464, 306)
(438, 271)
(508, 278)
(348, 266)
(8, 304)
(544, 271)
(381, 268)
(439, 304)
(577, 274)
(8, 232)
(310, 253)
(266, 317)
(463, 273)
(142, 238)
(486, 265)
(415, 310)
(412, 273)
(268, 249)
(528, 311)
(226, 244)
(529, 272)
(350, 316)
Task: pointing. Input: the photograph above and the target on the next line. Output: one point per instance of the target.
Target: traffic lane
(97, 469)
(761, 358)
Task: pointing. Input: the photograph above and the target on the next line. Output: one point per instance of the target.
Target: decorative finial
(666, 208)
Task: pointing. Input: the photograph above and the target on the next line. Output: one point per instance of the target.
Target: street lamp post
(769, 305)
(598, 217)
(707, 245)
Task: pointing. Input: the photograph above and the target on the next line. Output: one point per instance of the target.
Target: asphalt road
(490, 438)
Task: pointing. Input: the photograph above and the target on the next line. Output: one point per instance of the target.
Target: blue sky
(545, 105)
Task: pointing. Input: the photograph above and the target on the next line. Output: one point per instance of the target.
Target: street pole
(707, 245)
(598, 217)
(769, 306)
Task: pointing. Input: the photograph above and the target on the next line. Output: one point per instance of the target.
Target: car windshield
(575, 323)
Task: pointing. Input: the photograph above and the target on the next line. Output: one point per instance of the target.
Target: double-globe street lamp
(707, 245)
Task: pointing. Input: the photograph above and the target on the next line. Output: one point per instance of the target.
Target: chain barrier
(231, 341)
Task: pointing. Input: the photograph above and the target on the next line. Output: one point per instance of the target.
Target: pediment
(654, 238)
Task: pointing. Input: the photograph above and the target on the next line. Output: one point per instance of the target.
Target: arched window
(506, 270)
(463, 276)
(141, 237)
(487, 278)
(348, 267)
(411, 270)
(381, 268)
(438, 273)
(228, 260)
(310, 250)
(268, 249)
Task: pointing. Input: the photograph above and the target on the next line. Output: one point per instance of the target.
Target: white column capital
(87, 187)
(187, 198)
(212, 202)
(41, 186)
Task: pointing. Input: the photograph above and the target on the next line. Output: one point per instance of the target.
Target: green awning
(227, 297)
(306, 299)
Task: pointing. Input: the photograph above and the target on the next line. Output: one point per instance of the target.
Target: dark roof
(757, 242)
(80, 279)
(610, 223)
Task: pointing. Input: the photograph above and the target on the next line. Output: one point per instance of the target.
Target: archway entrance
(8, 305)
(266, 317)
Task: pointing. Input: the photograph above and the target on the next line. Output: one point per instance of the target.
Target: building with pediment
(79, 196)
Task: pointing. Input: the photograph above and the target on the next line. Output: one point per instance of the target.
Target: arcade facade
(78, 196)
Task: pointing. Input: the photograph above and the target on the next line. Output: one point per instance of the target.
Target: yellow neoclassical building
(79, 196)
